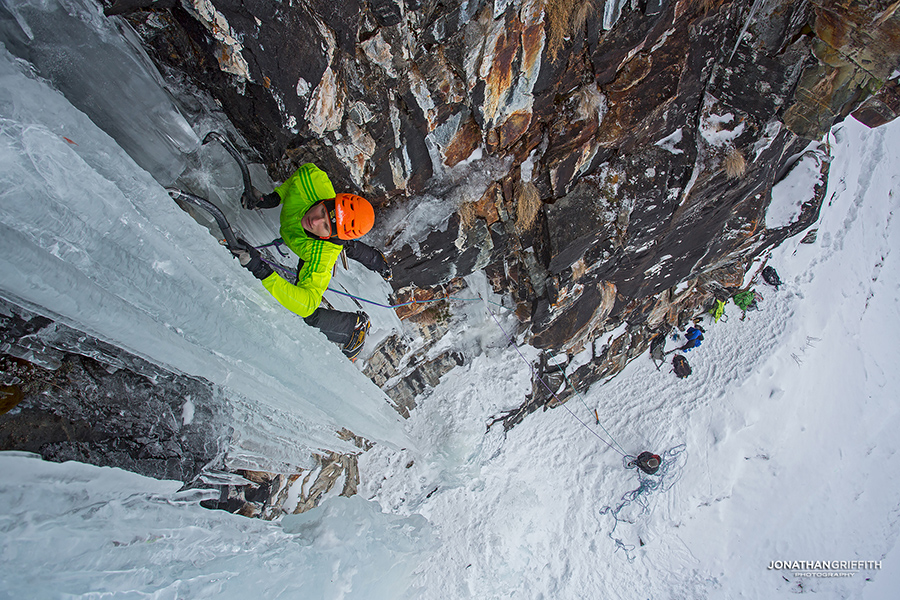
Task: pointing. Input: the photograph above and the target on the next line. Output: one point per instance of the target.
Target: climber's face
(316, 221)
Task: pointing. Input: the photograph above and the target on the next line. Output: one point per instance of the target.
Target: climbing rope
(544, 383)
(277, 243)
(648, 483)
(283, 270)
(411, 302)
(581, 398)
(663, 480)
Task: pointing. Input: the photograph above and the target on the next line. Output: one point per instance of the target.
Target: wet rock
(387, 12)
(386, 359)
(424, 376)
(439, 258)
(462, 140)
(84, 400)
(264, 495)
(882, 108)
(591, 305)
(855, 50)
(429, 303)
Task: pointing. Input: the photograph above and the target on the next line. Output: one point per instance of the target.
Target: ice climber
(317, 224)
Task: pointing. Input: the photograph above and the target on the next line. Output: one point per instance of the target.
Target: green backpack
(743, 299)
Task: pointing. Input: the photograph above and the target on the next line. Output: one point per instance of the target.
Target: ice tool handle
(230, 240)
(247, 198)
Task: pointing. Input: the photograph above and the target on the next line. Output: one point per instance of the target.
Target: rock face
(627, 149)
(271, 495)
(639, 141)
(81, 399)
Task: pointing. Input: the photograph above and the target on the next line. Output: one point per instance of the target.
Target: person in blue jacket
(694, 336)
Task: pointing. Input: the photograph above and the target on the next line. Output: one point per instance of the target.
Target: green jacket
(298, 194)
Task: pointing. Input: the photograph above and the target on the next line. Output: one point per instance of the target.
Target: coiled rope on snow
(663, 480)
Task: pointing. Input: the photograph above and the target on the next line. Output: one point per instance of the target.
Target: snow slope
(788, 422)
(79, 531)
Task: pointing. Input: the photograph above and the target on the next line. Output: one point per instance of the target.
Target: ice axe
(230, 240)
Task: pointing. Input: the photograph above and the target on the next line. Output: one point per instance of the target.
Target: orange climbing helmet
(354, 216)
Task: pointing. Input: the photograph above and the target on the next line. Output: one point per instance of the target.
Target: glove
(250, 199)
(257, 199)
(384, 269)
(250, 259)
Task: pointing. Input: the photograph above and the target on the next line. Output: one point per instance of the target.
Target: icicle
(757, 4)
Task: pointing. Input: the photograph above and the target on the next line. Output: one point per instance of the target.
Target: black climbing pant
(336, 325)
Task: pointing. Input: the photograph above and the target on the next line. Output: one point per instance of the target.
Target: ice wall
(612, 10)
(76, 530)
(90, 60)
(89, 238)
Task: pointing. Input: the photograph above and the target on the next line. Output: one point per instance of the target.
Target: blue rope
(404, 303)
(640, 496)
(282, 269)
(647, 484)
(618, 449)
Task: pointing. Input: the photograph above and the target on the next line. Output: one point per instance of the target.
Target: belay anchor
(665, 473)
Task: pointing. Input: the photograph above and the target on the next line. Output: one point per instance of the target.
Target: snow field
(788, 420)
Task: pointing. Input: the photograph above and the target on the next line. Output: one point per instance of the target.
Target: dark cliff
(637, 141)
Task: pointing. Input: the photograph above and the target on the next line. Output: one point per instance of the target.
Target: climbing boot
(357, 337)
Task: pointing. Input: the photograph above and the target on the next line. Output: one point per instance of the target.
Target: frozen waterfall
(91, 532)
(91, 239)
(100, 69)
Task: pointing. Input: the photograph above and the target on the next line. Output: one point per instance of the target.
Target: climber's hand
(250, 259)
(384, 269)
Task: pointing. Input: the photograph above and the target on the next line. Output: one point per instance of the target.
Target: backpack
(744, 299)
(682, 368)
(770, 275)
(694, 337)
(718, 309)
